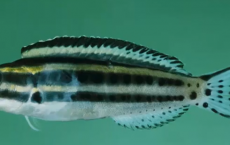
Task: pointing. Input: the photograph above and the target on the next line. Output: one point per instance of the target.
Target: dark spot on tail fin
(205, 105)
(208, 92)
(215, 92)
(224, 115)
(214, 110)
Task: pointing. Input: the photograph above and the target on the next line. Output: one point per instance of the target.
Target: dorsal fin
(104, 49)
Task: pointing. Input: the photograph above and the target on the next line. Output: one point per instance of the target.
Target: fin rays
(216, 94)
(104, 49)
(29, 121)
(150, 120)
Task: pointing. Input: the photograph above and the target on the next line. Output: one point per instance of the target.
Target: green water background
(197, 32)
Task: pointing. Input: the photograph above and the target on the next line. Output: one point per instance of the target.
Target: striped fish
(71, 78)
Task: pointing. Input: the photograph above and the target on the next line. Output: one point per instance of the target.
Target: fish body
(71, 78)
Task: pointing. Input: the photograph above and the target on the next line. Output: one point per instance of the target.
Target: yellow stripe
(88, 67)
(15, 88)
(47, 51)
(32, 70)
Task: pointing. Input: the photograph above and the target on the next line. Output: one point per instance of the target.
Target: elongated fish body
(86, 91)
(71, 78)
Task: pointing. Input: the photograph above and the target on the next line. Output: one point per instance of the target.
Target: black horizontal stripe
(104, 97)
(38, 97)
(35, 61)
(12, 95)
(126, 98)
(22, 79)
(84, 77)
(98, 77)
(127, 79)
(55, 77)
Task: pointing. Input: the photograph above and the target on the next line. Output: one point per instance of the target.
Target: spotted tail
(217, 92)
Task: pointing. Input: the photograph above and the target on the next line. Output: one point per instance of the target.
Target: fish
(70, 78)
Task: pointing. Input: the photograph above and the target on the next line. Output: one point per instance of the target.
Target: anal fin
(150, 120)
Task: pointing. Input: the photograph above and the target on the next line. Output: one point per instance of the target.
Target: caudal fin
(217, 92)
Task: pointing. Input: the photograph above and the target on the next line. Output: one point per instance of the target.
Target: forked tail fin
(217, 92)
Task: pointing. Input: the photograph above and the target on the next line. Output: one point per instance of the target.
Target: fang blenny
(71, 78)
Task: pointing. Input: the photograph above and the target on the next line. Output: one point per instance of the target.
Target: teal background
(197, 32)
